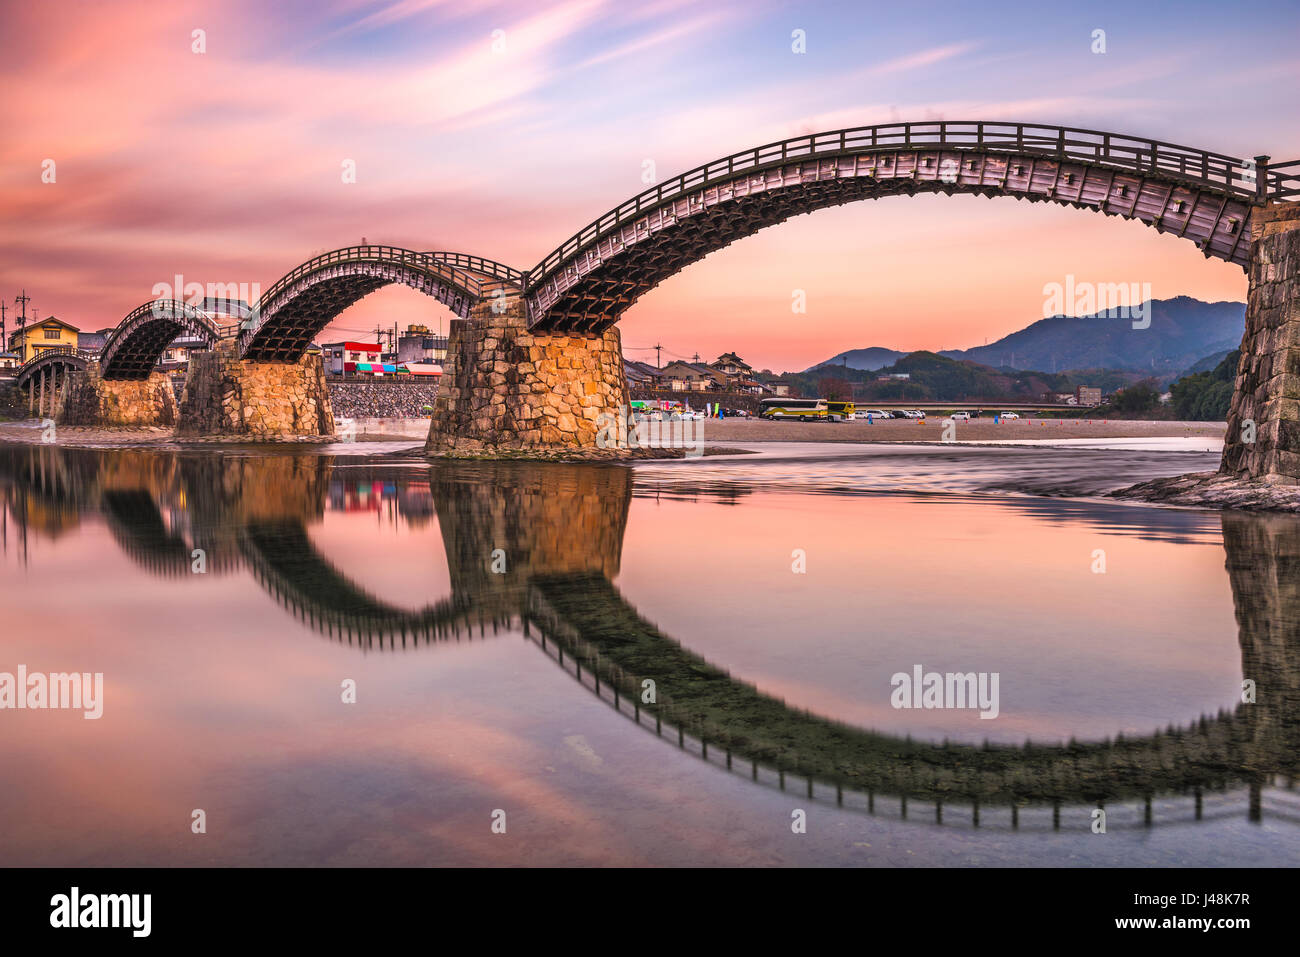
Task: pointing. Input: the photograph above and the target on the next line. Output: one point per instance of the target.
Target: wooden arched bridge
(588, 281)
(133, 349)
(45, 377)
(523, 336)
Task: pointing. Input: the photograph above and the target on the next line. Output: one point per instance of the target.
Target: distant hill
(1183, 332)
(1205, 395)
(1208, 363)
(927, 376)
(867, 360)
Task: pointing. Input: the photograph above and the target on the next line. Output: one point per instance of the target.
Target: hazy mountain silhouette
(1182, 332)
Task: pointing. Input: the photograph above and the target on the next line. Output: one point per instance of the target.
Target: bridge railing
(1235, 176)
(175, 309)
(1284, 180)
(47, 351)
(488, 267)
(386, 255)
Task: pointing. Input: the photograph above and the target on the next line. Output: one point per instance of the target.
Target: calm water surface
(500, 624)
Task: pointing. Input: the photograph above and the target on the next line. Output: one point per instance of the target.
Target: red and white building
(341, 358)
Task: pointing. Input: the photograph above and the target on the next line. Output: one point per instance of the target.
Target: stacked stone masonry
(504, 389)
(94, 400)
(226, 395)
(1263, 437)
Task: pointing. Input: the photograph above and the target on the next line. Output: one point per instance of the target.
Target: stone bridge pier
(254, 399)
(1263, 438)
(91, 399)
(507, 390)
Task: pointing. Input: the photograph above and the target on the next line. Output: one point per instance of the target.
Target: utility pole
(659, 359)
(4, 338)
(24, 299)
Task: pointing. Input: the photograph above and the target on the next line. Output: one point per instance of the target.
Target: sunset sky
(225, 166)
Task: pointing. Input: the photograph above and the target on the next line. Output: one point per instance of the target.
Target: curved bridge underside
(587, 284)
(64, 360)
(295, 310)
(135, 346)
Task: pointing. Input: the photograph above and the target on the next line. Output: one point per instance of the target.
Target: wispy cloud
(922, 58)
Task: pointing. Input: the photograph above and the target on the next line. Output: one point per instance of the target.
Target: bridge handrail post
(1261, 178)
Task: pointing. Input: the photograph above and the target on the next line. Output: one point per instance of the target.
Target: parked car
(963, 416)
(873, 414)
(1009, 415)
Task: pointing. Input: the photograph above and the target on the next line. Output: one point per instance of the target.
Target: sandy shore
(976, 430)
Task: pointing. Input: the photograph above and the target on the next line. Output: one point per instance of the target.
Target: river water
(358, 657)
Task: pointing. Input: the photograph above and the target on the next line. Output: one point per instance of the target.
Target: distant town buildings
(419, 345)
(640, 375)
(1087, 395)
(93, 342)
(682, 376)
(728, 373)
(342, 358)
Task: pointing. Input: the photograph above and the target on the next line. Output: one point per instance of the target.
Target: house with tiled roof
(41, 336)
(681, 376)
(641, 375)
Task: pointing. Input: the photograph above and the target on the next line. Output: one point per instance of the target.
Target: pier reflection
(536, 548)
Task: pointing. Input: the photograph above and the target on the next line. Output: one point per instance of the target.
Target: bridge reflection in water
(535, 548)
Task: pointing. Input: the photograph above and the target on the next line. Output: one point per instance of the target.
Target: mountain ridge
(1173, 335)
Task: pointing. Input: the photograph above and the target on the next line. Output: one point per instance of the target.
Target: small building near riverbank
(341, 358)
(47, 334)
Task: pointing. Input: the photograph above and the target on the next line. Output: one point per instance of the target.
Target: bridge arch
(589, 281)
(58, 359)
(294, 310)
(45, 378)
(135, 346)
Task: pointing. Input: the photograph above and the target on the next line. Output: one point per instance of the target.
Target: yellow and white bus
(805, 410)
(839, 411)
